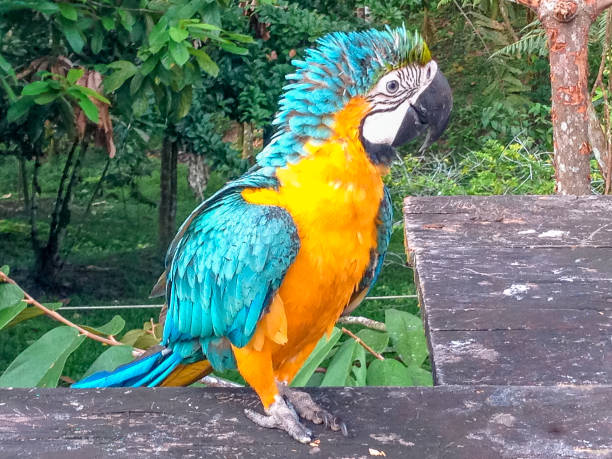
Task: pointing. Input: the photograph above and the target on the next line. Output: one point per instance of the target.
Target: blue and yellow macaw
(261, 270)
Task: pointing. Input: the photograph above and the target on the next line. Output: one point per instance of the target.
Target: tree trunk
(167, 201)
(567, 24)
(23, 179)
(48, 259)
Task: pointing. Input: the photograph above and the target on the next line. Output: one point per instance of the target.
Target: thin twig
(111, 341)
(365, 346)
(215, 381)
(369, 323)
(472, 26)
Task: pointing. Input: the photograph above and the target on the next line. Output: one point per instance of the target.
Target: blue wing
(222, 270)
(377, 256)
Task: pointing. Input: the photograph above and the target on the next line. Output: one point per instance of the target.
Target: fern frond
(533, 42)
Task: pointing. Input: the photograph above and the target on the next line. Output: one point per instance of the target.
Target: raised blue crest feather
(342, 66)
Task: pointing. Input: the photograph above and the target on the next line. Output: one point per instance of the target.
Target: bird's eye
(392, 86)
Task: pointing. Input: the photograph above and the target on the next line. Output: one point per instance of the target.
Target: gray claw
(280, 416)
(308, 409)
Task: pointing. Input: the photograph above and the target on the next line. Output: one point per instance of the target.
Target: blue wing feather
(385, 228)
(222, 269)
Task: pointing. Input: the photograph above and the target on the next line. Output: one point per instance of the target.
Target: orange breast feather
(333, 195)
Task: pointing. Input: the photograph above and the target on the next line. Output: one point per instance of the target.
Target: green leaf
(340, 366)
(9, 294)
(132, 336)
(205, 62)
(35, 88)
(204, 26)
(5, 269)
(239, 37)
(388, 372)
(126, 18)
(41, 364)
(73, 35)
(89, 108)
(400, 321)
(178, 35)
(315, 380)
(136, 83)
(124, 70)
(179, 53)
(407, 335)
(317, 356)
(68, 11)
(19, 109)
(9, 313)
(46, 98)
(74, 75)
(419, 376)
(378, 341)
(90, 92)
(108, 22)
(234, 49)
(31, 311)
(140, 104)
(111, 359)
(148, 65)
(97, 41)
(159, 34)
(113, 327)
(5, 66)
(412, 347)
(11, 302)
(139, 338)
(42, 6)
(184, 102)
(359, 368)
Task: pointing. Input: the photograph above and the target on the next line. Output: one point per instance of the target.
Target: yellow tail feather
(186, 374)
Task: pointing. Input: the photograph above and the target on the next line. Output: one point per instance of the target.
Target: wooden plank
(515, 279)
(504, 305)
(521, 357)
(450, 421)
(508, 221)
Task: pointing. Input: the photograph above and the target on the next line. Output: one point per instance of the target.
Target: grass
(113, 257)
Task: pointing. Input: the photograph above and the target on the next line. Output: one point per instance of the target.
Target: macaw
(261, 270)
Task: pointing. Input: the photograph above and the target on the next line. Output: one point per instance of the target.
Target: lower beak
(431, 111)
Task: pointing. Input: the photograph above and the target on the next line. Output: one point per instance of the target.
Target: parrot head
(390, 71)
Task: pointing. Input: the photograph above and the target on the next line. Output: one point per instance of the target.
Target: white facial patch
(384, 122)
(382, 127)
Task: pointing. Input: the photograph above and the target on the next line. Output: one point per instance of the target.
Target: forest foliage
(81, 81)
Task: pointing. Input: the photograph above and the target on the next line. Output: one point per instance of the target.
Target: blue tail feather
(135, 374)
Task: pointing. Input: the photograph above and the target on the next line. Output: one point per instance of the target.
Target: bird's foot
(281, 416)
(308, 409)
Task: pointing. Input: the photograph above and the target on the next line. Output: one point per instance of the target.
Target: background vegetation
(184, 95)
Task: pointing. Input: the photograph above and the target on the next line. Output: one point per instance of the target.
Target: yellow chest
(333, 196)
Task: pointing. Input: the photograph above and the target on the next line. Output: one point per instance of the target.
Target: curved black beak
(431, 111)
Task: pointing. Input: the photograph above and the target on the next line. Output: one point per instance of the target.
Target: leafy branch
(28, 299)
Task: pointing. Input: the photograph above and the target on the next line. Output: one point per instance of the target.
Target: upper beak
(431, 111)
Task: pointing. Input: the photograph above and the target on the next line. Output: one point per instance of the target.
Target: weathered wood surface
(450, 421)
(515, 290)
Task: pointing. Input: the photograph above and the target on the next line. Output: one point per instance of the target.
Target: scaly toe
(308, 409)
(280, 416)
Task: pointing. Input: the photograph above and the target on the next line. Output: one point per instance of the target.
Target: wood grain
(449, 421)
(515, 290)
